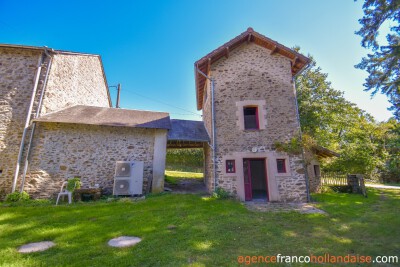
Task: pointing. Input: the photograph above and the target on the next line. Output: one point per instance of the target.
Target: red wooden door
(247, 180)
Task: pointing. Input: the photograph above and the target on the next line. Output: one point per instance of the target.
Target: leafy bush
(221, 193)
(74, 183)
(188, 160)
(336, 189)
(295, 145)
(171, 180)
(17, 196)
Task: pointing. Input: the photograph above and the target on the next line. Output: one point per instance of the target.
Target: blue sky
(150, 46)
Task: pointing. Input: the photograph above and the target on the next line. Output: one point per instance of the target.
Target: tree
(383, 65)
(392, 145)
(335, 123)
(324, 113)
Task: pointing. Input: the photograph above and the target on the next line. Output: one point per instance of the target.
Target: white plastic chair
(65, 192)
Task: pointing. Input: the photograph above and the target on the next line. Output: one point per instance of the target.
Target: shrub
(74, 183)
(17, 196)
(187, 160)
(221, 193)
(336, 189)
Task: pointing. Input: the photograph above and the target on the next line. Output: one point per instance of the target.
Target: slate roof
(185, 130)
(109, 117)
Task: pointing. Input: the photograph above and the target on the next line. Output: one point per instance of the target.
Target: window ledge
(283, 174)
(252, 130)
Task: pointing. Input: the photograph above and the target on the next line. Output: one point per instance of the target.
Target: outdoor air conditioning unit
(128, 179)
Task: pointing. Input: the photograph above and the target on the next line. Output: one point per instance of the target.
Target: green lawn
(208, 232)
(172, 177)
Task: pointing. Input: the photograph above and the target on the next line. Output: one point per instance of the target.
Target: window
(251, 115)
(281, 165)
(317, 171)
(250, 118)
(230, 166)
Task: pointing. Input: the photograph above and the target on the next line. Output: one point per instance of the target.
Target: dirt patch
(187, 186)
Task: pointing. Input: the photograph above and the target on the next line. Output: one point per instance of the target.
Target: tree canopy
(383, 65)
(365, 146)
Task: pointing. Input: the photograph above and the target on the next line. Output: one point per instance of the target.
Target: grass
(184, 167)
(185, 160)
(172, 177)
(189, 230)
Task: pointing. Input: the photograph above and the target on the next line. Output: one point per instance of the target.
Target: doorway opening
(255, 179)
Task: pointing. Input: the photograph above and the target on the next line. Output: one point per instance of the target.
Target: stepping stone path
(124, 241)
(35, 247)
(283, 207)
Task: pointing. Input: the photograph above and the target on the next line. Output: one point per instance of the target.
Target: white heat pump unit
(128, 179)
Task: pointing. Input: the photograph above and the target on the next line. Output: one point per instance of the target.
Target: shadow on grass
(180, 230)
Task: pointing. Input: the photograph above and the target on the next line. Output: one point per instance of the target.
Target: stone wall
(17, 72)
(208, 175)
(314, 180)
(73, 79)
(252, 74)
(61, 151)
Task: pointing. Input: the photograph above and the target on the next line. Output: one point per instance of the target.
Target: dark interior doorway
(255, 177)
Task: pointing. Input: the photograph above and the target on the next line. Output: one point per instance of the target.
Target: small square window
(230, 166)
(251, 118)
(281, 165)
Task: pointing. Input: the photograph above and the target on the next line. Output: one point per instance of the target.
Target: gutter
(300, 132)
(28, 119)
(39, 108)
(213, 146)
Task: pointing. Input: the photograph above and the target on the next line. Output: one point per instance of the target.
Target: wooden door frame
(249, 173)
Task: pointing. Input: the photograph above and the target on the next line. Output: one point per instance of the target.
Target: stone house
(246, 91)
(58, 104)
(57, 121)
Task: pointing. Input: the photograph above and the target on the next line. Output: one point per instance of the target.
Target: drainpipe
(118, 95)
(301, 134)
(27, 121)
(39, 108)
(214, 146)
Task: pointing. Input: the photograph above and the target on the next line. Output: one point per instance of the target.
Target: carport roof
(186, 130)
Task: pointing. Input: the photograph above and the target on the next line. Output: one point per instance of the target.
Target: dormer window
(251, 118)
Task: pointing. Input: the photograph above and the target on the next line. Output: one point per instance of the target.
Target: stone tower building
(250, 79)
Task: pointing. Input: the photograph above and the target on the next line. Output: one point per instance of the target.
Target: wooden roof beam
(294, 61)
(227, 52)
(249, 38)
(274, 50)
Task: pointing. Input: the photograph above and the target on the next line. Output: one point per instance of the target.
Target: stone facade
(73, 79)
(66, 150)
(63, 150)
(17, 72)
(252, 75)
(313, 171)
